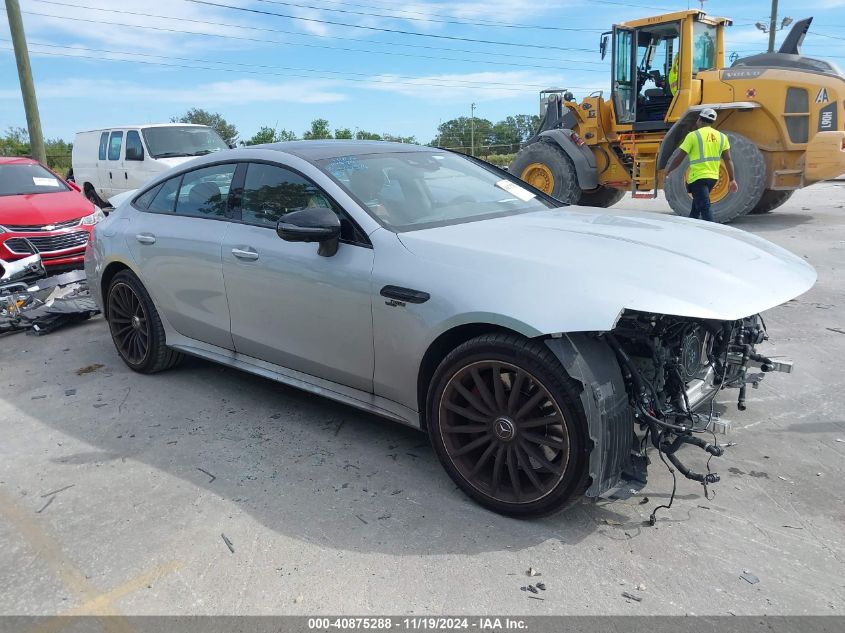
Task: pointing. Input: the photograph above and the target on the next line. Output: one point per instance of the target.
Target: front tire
(751, 176)
(601, 197)
(135, 326)
(771, 200)
(507, 424)
(549, 169)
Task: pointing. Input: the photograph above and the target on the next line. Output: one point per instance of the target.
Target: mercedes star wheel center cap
(504, 429)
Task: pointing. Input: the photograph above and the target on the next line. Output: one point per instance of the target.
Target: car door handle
(126, 175)
(109, 175)
(146, 238)
(248, 255)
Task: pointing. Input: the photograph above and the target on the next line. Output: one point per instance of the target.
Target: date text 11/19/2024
(418, 623)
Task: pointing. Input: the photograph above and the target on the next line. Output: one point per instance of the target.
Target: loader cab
(655, 61)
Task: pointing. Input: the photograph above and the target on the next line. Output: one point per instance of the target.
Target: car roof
(141, 126)
(17, 160)
(317, 150)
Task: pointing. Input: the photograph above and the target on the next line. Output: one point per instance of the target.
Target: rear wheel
(91, 194)
(507, 425)
(751, 176)
(601, 197)
(135, 326)
(770, 201)
(549, 169)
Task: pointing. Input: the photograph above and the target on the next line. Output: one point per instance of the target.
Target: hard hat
(708, 113)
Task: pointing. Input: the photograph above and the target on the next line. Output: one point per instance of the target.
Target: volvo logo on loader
(821, 97)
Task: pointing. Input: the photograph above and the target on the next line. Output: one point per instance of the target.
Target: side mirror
(603, 45)
(134, 153)
(313, 224)
(74, 186)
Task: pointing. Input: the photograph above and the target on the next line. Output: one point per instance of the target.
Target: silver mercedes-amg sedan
(542, 348)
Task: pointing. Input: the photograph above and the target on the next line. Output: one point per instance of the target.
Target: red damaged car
(41, 212)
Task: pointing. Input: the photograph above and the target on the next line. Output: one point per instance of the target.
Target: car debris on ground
(749, 577)
(32, 302)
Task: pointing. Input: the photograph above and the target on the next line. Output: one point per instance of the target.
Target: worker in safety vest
(674, 79)
(706, 148)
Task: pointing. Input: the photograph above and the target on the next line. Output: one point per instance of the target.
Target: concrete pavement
(333, 511)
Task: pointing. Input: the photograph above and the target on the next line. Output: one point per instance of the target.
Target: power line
(382, 79)
(295, 34)
(424, 19)
(458, 83)
(266, 41)
(385, 30)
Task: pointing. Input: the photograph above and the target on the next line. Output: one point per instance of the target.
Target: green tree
(525, 125)
(214, 120)
(505, 138)
(457, 134)
(363, 135)
(14, 142)
(319, 129)
(270, 135)
(343, 132)
(399, 139)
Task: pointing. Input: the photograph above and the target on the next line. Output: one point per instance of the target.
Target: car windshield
(185, 140)
(25, 178)
(414, 190)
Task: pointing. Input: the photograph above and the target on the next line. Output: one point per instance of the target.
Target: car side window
(205, 192)
(104, 144)
(115, 142)
(134, 148)
(143, 201)
(270, 192)
(163, 198)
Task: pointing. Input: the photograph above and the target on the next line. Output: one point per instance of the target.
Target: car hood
(580, 267)
(43, 208)
(174, 161)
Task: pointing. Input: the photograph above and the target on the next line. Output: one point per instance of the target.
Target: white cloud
(84, 26)
(482, 86)
(240, 92)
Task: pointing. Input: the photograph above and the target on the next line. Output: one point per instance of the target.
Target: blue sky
(259, 69)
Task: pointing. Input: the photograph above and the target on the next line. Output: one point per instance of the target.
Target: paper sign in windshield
(515, 190)
(45, 182)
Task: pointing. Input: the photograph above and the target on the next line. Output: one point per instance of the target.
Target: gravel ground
(329, 510)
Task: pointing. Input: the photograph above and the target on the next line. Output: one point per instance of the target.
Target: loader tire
(601, 197)
(751, 176)
(549, 169)
(770, 201)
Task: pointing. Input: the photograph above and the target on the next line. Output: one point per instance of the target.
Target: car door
(101, 166)
(135, 170)
(289, 305)
(176, 241)
(110, 169)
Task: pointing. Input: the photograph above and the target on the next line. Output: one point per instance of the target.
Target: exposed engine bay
(673, 368)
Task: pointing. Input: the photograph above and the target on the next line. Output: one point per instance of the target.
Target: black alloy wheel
(508, 427)
(503, 431)
(136, 327)
(129, 324)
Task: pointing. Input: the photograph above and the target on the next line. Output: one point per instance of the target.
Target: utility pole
(773, 18)
(472, 129)
(33, 121)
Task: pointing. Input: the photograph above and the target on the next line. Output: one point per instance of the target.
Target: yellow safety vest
(674, 84)
(704, 147)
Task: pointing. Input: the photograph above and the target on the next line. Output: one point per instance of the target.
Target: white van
(110, 161)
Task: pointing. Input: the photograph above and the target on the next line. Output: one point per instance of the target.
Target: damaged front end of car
(651, 382)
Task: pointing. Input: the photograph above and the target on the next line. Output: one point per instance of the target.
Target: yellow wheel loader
(783, 113)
